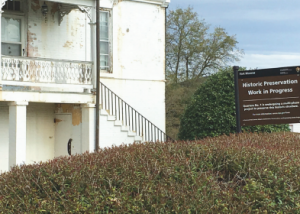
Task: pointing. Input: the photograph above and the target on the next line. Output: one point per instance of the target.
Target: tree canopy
(192, 51)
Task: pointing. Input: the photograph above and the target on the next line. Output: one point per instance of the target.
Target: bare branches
(192, 52)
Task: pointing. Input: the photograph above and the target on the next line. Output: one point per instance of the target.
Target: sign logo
(298, 69)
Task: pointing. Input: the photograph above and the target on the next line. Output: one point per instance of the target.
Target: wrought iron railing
(129, 117)
(41, 70)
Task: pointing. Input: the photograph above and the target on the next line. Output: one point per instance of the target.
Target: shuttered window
(104, 41)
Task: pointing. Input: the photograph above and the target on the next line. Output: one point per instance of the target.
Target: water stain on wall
(55, 8)
(68, 44)
(74, 109)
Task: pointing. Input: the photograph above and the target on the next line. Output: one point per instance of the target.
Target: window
(13, 5)
(11, 36)
(11, 29)
(104, 41)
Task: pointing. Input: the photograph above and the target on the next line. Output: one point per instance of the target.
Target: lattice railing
(40, 70)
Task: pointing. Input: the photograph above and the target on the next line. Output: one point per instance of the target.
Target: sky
(267, 30)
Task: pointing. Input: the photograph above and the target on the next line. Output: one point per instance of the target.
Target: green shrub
(211, 111)
(248, 173)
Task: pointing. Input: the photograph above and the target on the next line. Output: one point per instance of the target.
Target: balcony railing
(39, 70)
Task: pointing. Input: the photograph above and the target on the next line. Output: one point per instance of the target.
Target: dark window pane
(104, 62)
(104, 47)
(17, 6)
(10, 5)
(11, 49)
(103, 32)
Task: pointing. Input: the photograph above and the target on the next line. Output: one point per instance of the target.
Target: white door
(63, 133)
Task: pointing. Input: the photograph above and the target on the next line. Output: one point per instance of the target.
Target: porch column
(17, 133)
(88, 127)
(2, 3)
(93, 43)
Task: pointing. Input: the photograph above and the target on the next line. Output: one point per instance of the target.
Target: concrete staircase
(122, 124)
(109, 127)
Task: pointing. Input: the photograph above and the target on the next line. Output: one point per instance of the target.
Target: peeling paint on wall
(35, 5)
(55, 8)
(68, 44)
(115, 2)
(74, 109)
(50, 40)
(31, 50)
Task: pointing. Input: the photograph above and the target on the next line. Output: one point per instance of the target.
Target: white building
(47, 76)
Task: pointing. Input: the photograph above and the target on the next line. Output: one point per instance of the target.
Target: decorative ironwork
(129, 117)
(87, 10)
(3, 2)
(45, 70)
(65, 9)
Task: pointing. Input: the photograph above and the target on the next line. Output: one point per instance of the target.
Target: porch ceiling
(88, 3)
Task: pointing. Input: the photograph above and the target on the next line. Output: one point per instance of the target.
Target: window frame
(21, 16)
(109, 68)
(22, 3)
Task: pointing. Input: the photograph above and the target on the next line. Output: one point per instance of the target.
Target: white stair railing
(131, 118)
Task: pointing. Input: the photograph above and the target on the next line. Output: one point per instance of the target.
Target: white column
(93, 42)
(1, 1)
(88, 127)
(17, 133)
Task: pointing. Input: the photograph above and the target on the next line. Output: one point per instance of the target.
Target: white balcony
(37, 70)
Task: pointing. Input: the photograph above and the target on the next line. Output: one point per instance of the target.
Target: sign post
(268, 96)
(237, 102)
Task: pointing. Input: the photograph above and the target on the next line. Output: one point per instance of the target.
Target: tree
(211, 112)
(178, 97)
(192, 52)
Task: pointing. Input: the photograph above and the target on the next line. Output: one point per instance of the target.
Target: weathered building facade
(48, 69)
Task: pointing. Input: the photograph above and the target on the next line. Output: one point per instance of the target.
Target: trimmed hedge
(211, 111)
(248, 173)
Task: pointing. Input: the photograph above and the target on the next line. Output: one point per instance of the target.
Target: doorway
(63, 130)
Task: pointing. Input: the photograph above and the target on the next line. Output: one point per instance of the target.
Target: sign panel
(269, 96)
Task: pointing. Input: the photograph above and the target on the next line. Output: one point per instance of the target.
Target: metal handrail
(130, 117)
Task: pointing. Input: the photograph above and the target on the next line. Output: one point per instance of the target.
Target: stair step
(131, 134)
(111, 118)
(124, 128)
(103, 112)
(138, 138)
(118, 123)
